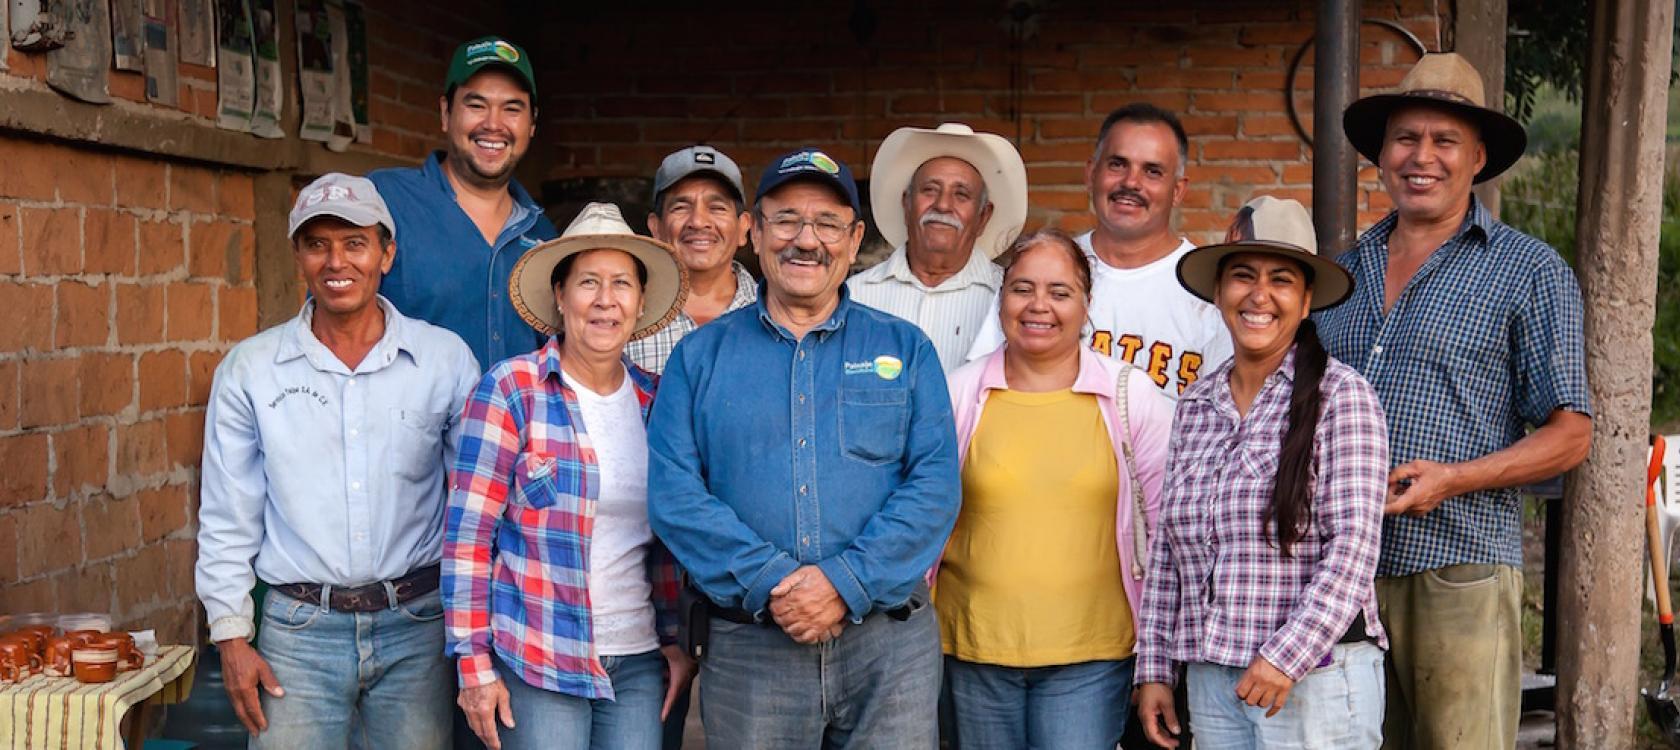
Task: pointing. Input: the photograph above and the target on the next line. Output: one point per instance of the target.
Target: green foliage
(1539, 199)
(1547, 44)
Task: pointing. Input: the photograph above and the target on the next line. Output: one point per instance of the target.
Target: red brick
(201, 373)
(1243, 101)
(49, 539)
(1256, 34)
(1038, 104)
(792, 131)
(8, 549)
(1295, 174)
(88, 588)
(30, 168)
(52, 241)
(163, 380)
(141, 182)
(236, 197)
(1056, 176)
(1196, 197)
(237, 312)
(108, 383)
(108, 242)
(1375, 79)
(140, 448)
(112, 525)
(28, 317)
(938, 104)
(9, 369)
(127, 85)
(80, 458)
(163, 511)
(1080, 80)
(84, 177)
(184, 435)
(84, 315)
(162, 247)
(1195, 125)
(1231, 174)
(1268, 125)
(1065, 127)
(1118, 55)
(1249, 150)
(1065, 200)
(25, 477)
(188, 318)
(48, 392)
(11, 255)
(39, 595)
(191, 189)
(1172, 101)
(140, 314)
(1178, 78)
(1378, 200)
(1065, 151)
(143, 578)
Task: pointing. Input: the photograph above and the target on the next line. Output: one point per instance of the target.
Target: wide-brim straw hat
(1276, 227)
(993, 156)
(599, 226)
(1448, 81)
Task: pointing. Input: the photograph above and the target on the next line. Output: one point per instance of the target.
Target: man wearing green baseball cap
(469, 220)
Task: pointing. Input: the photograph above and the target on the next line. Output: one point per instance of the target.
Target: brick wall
(123, 280)
(759, 79)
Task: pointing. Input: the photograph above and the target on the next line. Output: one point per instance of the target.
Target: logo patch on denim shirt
(886, 366)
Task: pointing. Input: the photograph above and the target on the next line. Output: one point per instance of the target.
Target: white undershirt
(620, 596)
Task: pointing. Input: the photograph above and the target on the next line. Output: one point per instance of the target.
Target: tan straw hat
(1276, 227)
(1448, 81)
(993, 156)
(599, 226)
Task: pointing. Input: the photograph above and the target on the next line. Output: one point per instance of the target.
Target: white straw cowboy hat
(1272, 226)
(993, 156)
(1448, 81)
(599, 226)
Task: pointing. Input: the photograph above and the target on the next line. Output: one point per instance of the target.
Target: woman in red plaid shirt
(1260, 578)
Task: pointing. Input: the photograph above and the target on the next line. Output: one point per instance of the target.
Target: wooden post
(1478, 33)
(1625, 104)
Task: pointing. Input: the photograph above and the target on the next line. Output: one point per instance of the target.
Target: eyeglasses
(786, 228)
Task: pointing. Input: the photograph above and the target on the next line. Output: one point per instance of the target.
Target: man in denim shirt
(805, 456)
(464, 219)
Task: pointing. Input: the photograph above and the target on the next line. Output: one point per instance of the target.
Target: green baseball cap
(490, 50)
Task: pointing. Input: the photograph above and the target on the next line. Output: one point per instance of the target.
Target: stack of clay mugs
(88, 655)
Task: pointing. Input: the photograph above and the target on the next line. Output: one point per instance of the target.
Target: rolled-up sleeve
(478, 488)
(1548, 338)
(233, 491)
(888, 558)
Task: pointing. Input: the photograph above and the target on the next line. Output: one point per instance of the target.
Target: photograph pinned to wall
(128, 45)
(315, 69)
(162, 79)
(355, 21)
(78, 69)
(343, 119)
(265, 38)
(197, 23)
(236, 80)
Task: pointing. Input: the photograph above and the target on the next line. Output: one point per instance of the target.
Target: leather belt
(372, 597)
(742, 617)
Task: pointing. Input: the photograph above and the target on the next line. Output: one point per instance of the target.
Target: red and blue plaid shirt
(516, 544)
(1218, 590)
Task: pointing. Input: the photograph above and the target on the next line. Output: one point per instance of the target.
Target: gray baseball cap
(694, 160)
(353, 199)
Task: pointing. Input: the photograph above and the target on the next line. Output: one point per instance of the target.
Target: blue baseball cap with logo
(813, 165)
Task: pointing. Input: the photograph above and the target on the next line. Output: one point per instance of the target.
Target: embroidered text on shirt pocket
(874, 423)
(534, 481)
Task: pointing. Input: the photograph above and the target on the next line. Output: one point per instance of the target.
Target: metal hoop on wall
(1301, 52)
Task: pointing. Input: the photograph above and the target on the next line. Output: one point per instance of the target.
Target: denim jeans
(875, 686)
(1075, 706)
(556, 721)
(1336, 707)
(380, 674)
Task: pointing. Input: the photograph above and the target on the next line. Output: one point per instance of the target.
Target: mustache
(940, 217)
(1121, 192)
(795, 253)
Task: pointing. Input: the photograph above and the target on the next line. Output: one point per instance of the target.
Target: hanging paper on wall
(78, 69)
(127, 41)
(343, 122)
(265, 35)
(162, 79)
(236, 80)
(197, 23)
(315, 69)
(355, 21)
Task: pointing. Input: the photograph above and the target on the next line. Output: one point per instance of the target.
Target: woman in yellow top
(1063, 452)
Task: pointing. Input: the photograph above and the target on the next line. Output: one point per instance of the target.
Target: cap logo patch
(507, 51)
(329, 193)
(705, 157)
(807, 161)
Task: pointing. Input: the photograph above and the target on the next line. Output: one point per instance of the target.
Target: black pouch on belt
(694, 632)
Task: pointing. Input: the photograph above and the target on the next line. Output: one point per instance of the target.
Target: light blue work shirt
(767, 452)
(316, 473)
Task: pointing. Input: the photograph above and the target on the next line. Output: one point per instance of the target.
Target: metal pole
(1335, 86)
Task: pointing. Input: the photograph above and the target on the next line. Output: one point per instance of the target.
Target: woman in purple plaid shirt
(1260, 577)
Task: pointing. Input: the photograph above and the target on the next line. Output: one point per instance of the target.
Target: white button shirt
(951, 314)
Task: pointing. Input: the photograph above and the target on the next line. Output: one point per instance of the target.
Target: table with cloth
(60, 713)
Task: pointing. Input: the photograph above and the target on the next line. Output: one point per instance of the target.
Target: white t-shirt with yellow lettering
(1143, 315)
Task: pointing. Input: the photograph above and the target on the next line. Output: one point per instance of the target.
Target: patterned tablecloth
(60, 713)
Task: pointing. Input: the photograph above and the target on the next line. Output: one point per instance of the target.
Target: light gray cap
(353, 199)
(694, 160)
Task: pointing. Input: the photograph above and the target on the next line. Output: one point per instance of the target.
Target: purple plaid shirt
(1218, 590)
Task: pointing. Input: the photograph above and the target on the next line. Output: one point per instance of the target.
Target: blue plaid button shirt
(1484, 342)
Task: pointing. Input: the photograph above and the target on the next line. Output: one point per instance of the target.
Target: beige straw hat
(599, 226)
(1276, 227)
(993, 156)
(1448, 81)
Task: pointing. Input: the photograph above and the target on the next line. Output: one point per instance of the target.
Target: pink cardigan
(1149, 413)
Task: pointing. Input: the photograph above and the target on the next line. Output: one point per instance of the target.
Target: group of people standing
(1002, 490)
